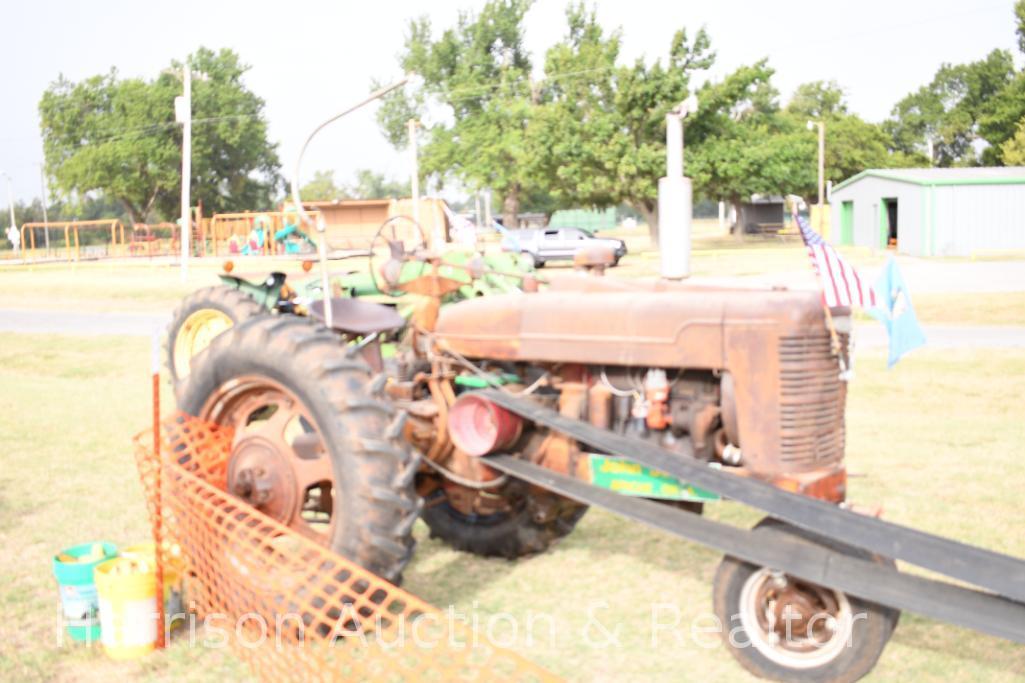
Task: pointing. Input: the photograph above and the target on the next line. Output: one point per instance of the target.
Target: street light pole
(185, 116)
(297, 200)
(822, 167)
(415, 178)
(46, 219)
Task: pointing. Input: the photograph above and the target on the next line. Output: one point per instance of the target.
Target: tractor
(351, 433)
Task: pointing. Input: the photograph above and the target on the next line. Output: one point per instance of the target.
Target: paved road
(81, 322)
(867, 335)
(872, 336)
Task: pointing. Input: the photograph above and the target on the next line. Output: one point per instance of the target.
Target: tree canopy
(369, 185)
(590, 131)
(117, 136)
(476, 79)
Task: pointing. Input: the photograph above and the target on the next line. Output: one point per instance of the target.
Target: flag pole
(834, 338)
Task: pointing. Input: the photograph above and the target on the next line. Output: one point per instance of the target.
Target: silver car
(557, 244)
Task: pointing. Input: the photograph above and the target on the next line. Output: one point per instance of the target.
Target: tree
(234, 166)
(948, 110)
(754, 149)
(322, 188)
(1013, 150)
(372, 185)
(1019, 14)
(476, 79)
(852, 144)
(118, 136)
(598, 136)
(818, 99)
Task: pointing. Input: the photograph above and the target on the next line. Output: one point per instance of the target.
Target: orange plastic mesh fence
(291, 608)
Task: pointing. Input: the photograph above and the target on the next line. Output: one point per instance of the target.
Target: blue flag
(893, 309)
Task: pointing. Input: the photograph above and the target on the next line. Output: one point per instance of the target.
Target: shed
(932, 211)
(352, 223)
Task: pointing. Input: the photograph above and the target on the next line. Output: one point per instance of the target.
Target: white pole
(46, 220)
(476, 208)
(186, 229)
(674, 146)
(722, 216)
(487, 208)
(414, 180)
(10, 206)
(675, 195)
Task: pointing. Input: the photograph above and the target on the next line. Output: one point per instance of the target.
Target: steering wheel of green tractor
(397, 242)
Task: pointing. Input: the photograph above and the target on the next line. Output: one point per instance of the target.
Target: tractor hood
(606, 321)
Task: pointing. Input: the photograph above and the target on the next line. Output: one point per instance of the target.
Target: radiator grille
(811, 402)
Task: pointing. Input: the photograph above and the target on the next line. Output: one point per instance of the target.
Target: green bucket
(73, 568)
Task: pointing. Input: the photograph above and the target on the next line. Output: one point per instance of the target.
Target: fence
(118, 246)
(332, 619)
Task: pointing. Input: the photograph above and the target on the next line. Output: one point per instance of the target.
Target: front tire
(839, 642)
(199, 319)
(306, 412)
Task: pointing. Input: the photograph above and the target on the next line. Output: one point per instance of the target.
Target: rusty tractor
(499, 419)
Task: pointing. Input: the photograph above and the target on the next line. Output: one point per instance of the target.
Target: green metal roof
(995, 175)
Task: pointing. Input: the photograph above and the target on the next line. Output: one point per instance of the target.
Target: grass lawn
(936, 442)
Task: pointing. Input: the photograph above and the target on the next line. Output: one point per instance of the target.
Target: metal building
(932, 211)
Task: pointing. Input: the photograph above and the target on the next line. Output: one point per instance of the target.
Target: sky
(311, 59)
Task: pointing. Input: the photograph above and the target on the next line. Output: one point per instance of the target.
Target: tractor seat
(353, 316)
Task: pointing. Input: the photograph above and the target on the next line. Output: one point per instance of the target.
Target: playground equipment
(146, 241)
(255, 233)
(72, 248)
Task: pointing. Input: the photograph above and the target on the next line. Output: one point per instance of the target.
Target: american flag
(841, 285)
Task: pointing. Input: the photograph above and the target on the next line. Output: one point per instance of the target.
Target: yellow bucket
(174, 568)
(127, 590)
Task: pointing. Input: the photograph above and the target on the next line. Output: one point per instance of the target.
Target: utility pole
(183, 113)
(675, 196)
(10, 206)
(822, 168)
(46, 200)
(414, 179)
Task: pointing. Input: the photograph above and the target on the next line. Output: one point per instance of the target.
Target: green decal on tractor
(630, 479)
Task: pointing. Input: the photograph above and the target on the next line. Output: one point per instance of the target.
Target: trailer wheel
(831, 637)
(314, 447)
(199, 318)
(506, 534)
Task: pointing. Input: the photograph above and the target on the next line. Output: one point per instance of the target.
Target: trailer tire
(509, 535)
(198, 319)
(374, 501)
(858, 639)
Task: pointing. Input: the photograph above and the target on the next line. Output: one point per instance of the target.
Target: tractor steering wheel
(395, 241)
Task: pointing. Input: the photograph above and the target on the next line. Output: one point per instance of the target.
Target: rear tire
(217, 309)
(849, 654)
(508, 534)
(374, 501)
(538, 262)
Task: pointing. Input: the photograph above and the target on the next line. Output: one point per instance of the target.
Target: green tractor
(208, 312)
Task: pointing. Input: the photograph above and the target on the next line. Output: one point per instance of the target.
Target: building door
(847, 222)
(888, 222)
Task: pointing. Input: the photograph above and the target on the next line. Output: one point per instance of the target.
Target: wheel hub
(262, 475)
(279, 462)
(793, 623)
